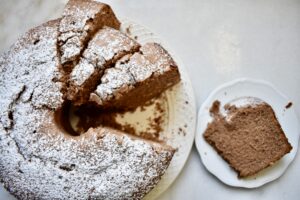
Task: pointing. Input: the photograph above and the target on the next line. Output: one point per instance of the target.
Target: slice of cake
(136, 78)
(80, 21)
(107, 46)
(249, 138)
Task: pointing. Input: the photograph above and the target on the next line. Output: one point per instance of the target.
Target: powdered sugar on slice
(106, 47)
(152, 60)
(82, 72)
(80, 20)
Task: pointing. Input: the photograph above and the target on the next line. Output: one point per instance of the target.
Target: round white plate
(180, 117)
(229, 93)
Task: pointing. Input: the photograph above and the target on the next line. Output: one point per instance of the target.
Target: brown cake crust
(107, 46)
(249, 138)
(80, 21)
(141, 76)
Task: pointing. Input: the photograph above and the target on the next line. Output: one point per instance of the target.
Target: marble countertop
(218, 41)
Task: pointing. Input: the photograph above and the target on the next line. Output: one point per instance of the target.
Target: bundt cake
(72, 60)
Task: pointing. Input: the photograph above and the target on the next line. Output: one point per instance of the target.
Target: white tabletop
(218, 41)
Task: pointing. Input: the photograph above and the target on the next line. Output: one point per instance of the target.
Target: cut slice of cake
(106, 47)
(249, 138)
(136, 78)
(80, 21)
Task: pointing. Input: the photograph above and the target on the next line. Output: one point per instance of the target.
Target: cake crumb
(289, 105)
(128, 30)
(180, 130)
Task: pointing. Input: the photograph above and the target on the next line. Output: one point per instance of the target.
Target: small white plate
(229, 93)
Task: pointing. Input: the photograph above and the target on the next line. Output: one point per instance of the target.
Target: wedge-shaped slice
(249, 138)
(103, 50)
(81, 20)
(137, 78)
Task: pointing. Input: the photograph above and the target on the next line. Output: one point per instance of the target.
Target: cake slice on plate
(249, 137)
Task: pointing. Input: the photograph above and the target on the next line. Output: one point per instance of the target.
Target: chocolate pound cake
(142, 76)
(249, 138)
(41, 157)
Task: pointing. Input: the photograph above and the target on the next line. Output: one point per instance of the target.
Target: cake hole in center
(76, 120)
(146, 121)
(62, 116)
(91, 116)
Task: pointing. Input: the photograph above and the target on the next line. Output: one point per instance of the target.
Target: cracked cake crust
(80, 21)
(39, 160)
(136, 78)
(104, 49)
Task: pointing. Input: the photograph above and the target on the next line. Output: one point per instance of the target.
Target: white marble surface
(218, 41)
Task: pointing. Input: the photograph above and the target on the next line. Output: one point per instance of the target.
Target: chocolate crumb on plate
(151, 128)
(128, 30)
(289, 105)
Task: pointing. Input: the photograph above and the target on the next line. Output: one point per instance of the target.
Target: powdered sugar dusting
(98, 164)
(38, 160)
(74, 28)
(110, 44)
(28, 72)
(82, 72)
(152, 60)
(79, 22)
(110, 82)
(107, 46)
